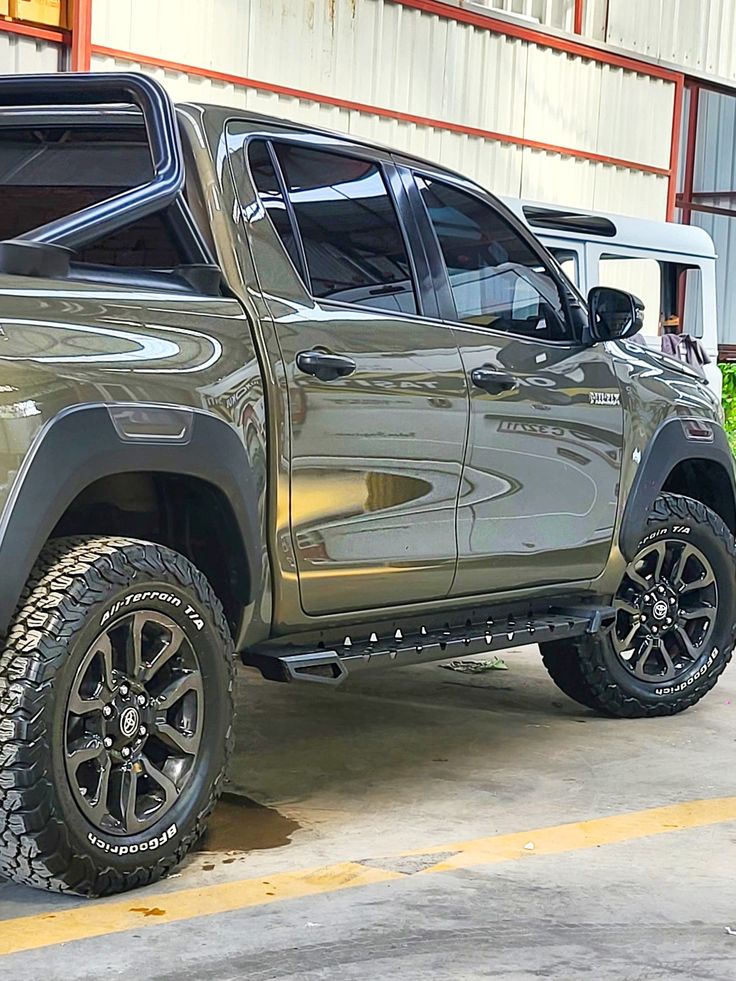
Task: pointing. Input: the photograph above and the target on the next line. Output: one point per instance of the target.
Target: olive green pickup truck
(279, 394)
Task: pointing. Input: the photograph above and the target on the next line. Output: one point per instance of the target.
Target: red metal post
(675, 147)
(579, 8)
(81, 50)
(692, 136)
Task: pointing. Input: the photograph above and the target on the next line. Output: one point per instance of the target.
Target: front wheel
(675, 620)
(116, 711)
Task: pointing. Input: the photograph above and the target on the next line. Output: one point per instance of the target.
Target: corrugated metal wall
(383, 54)
(699, 35)
(19, 54)
(715, 171)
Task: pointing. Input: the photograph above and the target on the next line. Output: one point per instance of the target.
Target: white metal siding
(23, 55)
(501, 167)
(382, 54)
(699, 35)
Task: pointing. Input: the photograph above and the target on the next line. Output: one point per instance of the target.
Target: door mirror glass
(614, 314)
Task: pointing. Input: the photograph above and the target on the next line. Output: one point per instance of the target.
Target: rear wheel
(674, 631)
(115, 716)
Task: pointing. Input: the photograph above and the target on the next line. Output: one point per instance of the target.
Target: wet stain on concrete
(240, 824)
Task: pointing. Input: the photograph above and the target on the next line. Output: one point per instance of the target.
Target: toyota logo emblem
(129, 722)
(660, 610)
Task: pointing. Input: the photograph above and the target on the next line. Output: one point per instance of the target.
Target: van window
(350, 232)
(496, 278)
(568, 260)
(670, 291)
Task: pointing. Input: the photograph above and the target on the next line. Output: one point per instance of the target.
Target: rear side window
(352, 241)
(496, 279)
(272, 197)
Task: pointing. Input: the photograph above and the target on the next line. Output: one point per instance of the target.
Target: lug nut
(124, 690)
(654, 630)
(142, 731)
(141, 699)
(661, 589)
(643, 617)
(125, 752)
(107, 742)
(107, 711)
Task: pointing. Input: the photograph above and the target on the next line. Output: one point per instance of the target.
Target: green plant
(729, 401)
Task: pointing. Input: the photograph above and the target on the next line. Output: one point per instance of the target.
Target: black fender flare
(675, 441)
(84, 443)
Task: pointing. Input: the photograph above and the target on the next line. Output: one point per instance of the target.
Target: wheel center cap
(660, 609)
(130, 721)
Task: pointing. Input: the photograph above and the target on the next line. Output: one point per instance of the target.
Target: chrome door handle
(493, 381)
(323, 365)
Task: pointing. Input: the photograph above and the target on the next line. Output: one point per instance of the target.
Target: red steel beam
(81, 50)
(56, 35)
(706, 208)
(330, 100)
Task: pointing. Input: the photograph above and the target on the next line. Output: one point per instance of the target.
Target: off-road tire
(589, 670)
(45, 840)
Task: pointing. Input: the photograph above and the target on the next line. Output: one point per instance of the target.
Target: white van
(670, 267)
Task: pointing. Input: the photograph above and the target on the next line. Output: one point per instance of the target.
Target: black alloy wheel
(134, 722)
(666, 609)
(675, 624)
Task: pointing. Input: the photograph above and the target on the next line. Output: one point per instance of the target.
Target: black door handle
(493, 381)
(323, 365)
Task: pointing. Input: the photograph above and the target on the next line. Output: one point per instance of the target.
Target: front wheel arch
(688, 457)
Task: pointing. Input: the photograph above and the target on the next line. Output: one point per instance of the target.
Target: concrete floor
(405, 761)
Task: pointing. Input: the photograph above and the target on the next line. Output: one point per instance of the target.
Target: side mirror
(613, 314)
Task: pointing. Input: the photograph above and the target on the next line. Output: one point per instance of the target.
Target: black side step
(332, 665)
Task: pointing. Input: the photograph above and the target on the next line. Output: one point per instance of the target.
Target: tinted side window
(496, 279)
(272, 198)
(350, 232)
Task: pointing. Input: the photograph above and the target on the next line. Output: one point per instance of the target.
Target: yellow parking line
(147, 909)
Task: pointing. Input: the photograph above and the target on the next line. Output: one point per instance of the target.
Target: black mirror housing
(614, 314)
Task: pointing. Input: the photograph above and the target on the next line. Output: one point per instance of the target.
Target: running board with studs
(331, 664)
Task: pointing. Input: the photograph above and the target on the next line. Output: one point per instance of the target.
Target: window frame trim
(445, 299)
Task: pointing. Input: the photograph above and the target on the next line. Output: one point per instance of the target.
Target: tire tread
(69, 578)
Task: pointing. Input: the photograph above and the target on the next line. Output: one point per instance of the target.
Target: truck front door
(539, 492)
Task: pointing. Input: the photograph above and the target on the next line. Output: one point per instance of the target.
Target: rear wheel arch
(201, 472)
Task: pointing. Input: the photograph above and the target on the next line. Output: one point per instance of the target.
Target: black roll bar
(165, 191)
